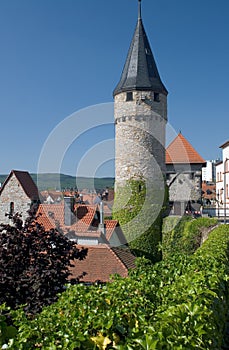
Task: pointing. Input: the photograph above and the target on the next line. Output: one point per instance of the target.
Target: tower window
(156, 97)
(129, 96)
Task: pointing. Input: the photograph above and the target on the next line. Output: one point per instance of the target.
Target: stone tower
(140, 112)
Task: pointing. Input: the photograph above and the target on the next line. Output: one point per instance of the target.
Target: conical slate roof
(140, 70)
(180, 151)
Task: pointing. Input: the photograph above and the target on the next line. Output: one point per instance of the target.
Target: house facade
(209, 172)
(222, 183)
(17, 195)
(184, 176)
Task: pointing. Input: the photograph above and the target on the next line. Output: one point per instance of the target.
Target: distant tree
(34, 263)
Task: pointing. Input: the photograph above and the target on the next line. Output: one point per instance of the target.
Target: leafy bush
(184, 235)
(34, 264)
(7, 333)
(178, 303)
(139, 209)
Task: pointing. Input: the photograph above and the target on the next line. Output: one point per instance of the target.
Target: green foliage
(178, 303)
(7, 333)
(183, 235)
(139, 208)
(34, 263)
(148, 243)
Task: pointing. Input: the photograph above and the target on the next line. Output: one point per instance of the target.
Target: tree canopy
(34, 263)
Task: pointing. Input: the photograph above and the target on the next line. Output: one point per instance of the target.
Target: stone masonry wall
(186, 187)
(184, 182)
(13, 192)
(140, 136)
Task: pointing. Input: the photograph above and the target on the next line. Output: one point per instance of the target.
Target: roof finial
(139, 9)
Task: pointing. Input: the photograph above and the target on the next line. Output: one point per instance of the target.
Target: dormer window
(156, 97)
(129, 96)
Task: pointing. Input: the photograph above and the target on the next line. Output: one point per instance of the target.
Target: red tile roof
(180, 151)
(25, 181)
(101, 262)
(110, 227)
(51, 214)
(86, 225)
(55, 195)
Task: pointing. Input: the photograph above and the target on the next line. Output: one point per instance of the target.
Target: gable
(180, 151)
(21, 179)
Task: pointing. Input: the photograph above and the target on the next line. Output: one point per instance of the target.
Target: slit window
(156, 97)
(129, 96)
(11, 208)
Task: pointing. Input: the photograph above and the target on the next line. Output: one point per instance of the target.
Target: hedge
(184, 235)
(178, 303)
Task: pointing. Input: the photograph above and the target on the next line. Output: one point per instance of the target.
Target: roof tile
(180, 151)
(101, 262)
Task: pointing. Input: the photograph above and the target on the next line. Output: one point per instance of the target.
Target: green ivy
(184, 235)
(139, 210)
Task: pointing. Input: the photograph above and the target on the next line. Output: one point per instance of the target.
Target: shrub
(34, 264)
(178, 303)
(184, 235)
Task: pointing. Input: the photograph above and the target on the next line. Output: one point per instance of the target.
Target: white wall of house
(222, 182)
(208, 172)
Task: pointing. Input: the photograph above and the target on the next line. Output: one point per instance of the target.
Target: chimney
(69, 216)
(102, 226)
(81, 198)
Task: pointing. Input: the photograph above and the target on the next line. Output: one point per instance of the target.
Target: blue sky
(59, 56)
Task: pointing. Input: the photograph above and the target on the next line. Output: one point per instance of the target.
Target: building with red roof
(84, 224)
(17, 194)
(183, 175)
(104, 239)
(81, 223)
(222, 183)
(101, 263)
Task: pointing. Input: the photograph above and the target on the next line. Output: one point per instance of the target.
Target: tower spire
(139, 10)
(140, 70)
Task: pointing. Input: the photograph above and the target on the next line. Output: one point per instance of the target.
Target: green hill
(62, 181)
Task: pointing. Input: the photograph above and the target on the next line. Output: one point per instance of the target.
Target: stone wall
(184, 181)
(13, 192)
(140, 136)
